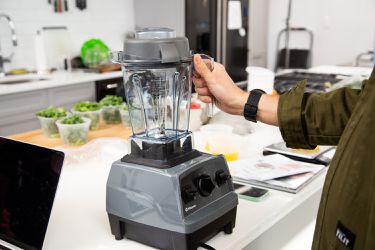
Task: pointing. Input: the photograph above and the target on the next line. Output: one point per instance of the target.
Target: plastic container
(49, 127)
(111, 114)
(125, 118)
(260, 78)
(94, 116)
(219, 139)
(74, 134)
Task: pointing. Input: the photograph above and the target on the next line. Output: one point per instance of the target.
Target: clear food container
(125, 118)
(49, 127)
(74, 134)
(136, 121)
(94, 116)
(219, 139)
(111, 114)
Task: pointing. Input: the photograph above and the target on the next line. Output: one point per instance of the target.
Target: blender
(164, 193)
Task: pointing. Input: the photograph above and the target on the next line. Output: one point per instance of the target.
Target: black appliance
(316, 82)
(206, 25)
(113, 86)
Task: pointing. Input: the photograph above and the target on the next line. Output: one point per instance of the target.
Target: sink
(14, 79)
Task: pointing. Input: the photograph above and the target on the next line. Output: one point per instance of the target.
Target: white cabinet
(17, 111)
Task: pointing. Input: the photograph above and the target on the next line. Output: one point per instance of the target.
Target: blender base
(165, 239)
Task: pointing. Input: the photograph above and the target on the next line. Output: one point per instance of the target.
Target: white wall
(108, 20)
(172, 16)
(342, 29)
(258, 32)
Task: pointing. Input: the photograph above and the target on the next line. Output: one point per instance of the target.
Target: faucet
(4, 59)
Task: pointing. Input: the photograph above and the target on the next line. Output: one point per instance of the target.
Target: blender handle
(210, 63)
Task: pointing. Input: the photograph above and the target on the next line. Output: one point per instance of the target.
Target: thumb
(200, 67)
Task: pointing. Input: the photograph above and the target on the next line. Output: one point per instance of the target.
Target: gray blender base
(165, 239)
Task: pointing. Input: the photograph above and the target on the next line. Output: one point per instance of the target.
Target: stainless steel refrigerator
(220, 28)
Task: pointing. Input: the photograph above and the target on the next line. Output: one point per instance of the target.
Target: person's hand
(217, 86)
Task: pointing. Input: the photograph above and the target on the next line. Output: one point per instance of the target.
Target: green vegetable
(74, 136)
(86, 106)
(89, 110)
(73, 130)
(94, 52)
(111, 100)
(52, 112)
(124, 107)
(73, 119)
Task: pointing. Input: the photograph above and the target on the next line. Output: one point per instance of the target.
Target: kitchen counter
(56, 79)
(79, 219)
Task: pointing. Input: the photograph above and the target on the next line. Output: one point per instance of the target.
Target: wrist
(251, 107)
(242, 102)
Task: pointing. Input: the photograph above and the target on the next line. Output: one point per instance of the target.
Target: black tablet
(29, 176)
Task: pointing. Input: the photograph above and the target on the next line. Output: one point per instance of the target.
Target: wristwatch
(251, 106)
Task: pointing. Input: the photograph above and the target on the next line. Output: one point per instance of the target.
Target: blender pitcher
(157, 69)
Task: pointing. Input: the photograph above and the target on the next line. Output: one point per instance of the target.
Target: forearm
(267, 108)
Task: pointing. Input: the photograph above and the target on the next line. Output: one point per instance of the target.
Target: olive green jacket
(345, 117)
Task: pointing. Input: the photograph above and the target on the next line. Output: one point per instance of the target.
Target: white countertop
(79, 219)
(56, 79)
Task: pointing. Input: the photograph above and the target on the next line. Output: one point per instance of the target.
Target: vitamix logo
(345, 236)
(190, 208)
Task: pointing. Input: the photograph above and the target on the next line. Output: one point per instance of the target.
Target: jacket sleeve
(307, 119)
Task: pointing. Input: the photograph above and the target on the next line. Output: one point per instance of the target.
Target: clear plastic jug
(157, 69)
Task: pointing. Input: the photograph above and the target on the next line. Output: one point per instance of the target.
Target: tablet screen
(29, 176)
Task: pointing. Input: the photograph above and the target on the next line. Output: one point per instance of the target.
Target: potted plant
(110, 109)
(89, 110)
(73, 129)
(48, 117)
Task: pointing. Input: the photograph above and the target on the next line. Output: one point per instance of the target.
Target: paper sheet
(234, 15)
(269, 167)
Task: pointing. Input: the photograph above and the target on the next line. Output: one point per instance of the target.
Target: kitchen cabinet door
(68, 95)
(17, 111)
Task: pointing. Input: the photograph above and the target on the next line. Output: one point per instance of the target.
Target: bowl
(74, 134)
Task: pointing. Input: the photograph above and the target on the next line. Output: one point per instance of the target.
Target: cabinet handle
(112, 86)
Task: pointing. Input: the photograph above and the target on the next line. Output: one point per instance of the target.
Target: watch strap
(251, 106)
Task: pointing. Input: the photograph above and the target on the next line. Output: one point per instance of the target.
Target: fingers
(205, 99)
(199, 82)
(201, 68)
(203, 91)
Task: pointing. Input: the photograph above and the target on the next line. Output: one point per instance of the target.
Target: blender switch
(221, 177)
(188, 194)
(205, 185)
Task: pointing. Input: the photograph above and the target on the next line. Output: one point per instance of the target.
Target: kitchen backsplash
(108, 20)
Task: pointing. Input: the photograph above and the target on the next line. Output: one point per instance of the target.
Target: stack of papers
(319, 155)
(275, 171)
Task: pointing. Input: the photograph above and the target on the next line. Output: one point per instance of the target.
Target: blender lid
(154, 45)
(154, 33)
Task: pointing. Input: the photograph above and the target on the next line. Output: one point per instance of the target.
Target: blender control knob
(221, 177)
(205, 185)
(188, 194)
